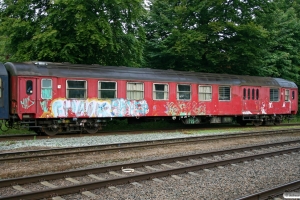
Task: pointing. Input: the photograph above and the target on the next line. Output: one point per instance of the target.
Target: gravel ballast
(108, 139)
(229, 182)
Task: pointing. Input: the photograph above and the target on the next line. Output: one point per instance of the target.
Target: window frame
(46, 87)
(286, 96)
(224, 86)
(205, 93)
(67, 88)
(178, 92)
(143, 90)
(272, 96)
(165, 92)
(116, 89)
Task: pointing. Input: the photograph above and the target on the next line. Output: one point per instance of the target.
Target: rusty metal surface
(129, 73)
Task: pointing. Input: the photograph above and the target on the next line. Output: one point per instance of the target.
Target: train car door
(251, 100)
(27, 96)
(294, 101)
(4, 105)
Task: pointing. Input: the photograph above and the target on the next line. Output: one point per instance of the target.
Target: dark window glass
(183, 92)
(160, 91)
(29, 87)
(253, 94)
(274, 94)
(107, 90)
(224, 93)
(257, 94)
(248, 93)
(244, 93)
(76, 89)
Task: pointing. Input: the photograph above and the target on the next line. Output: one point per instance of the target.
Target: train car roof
(146, 74)
(3, 71)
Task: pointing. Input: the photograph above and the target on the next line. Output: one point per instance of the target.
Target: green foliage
(257, 37)
(209, 36)
(282, 58)
(106, 32)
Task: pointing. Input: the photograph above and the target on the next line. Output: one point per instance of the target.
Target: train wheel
(92, 128)
(243, 123)
(50, 131)
(277, 122)
(257, 123)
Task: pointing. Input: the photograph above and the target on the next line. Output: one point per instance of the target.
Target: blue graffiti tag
(99, 108)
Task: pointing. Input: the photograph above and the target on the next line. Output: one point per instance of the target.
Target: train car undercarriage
(55, 126)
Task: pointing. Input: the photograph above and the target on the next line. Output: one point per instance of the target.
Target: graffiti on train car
(27, 102)
(185, 108)
(94, 108)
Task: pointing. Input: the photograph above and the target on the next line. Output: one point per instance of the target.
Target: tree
(210, 36)
(106, 32)
(282, 57)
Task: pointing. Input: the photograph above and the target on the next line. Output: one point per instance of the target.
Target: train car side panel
(251, 100)
(4, 93)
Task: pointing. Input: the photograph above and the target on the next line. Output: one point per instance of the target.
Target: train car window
(253, 94)
(76, 89)
(274, 94)
(160, 91)
(244, 93)
(107, 90)
(224, 93)
(257, 94)
(46, 89)
(29, 87)
(287, 95)
(183, 92)
(0, 87)
(135, 91)
(249, 93)
(205, 93)
(293, 94)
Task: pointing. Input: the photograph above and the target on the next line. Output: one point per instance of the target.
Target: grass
(8, 143)
(21, 131)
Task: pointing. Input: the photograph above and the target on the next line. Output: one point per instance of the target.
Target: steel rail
(73, 173)
(127, 146)
(117, 181)
(265, 194)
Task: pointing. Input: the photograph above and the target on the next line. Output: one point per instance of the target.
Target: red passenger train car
(55, 97)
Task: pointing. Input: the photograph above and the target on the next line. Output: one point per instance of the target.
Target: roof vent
(41, 63)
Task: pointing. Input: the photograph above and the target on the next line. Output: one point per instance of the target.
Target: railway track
(37, 154)
(265, 194)
(145, 170)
